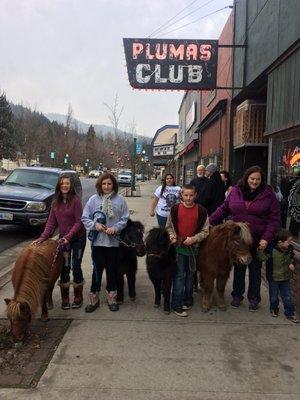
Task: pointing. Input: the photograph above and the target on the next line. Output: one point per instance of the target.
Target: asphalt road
(10, 235)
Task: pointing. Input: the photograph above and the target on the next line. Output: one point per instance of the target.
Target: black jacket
(200, 184)
(214, 194)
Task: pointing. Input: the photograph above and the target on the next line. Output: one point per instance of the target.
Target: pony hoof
(50, 306)
(223, 308)
(45, 318)
(132, 298)
(205, 309)
(156, 305)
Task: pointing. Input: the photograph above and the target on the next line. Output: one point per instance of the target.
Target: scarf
(107, 205)
(250, 196)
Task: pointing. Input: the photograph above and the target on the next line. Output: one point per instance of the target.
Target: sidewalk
(141, 353)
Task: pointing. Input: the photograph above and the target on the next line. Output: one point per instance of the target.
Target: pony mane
(30, 277)
(220, 233)
(245, 234)
(138, 225)
(156, 235)
(13, 310)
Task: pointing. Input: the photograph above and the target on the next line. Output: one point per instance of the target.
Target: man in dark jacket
(200, 183)
(214, 194)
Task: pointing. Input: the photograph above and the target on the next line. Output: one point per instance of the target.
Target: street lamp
(66, 160)
(143, 164)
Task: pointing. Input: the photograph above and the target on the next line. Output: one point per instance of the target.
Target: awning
(189, 147)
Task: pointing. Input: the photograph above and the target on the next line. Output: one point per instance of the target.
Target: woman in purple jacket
(253, 202)
(66, 211)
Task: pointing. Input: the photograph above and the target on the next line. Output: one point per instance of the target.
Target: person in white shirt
(165, 196)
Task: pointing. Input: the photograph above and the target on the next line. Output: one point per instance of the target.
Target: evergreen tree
(90, 145)
(7, 131)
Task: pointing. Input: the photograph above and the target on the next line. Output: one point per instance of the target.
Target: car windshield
(125, 173)
(32, 178)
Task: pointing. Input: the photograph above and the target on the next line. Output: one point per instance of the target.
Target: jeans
(161, 221)
(182, 293)
(254, 279)
(105, 258)
(284, 288)
(76, 250)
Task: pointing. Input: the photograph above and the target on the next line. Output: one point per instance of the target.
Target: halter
(131, 244)
(161, 254)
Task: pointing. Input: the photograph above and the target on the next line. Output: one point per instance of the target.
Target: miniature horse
(161, 264)
(226, 244)
(34, 275)
(131, 247)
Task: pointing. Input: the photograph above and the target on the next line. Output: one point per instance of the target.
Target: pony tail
(162, 189)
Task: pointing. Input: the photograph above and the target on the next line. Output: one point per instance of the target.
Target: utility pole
(133, 167)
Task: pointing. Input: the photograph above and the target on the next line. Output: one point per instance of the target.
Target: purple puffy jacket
(262, 215)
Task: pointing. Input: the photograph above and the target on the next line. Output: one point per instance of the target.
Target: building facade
(187, 148)
(214, 127)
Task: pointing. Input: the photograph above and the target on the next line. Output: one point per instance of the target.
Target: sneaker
(253, 305)
(92, 307)
(236, 302)
(113, 307)
(180, 312)
(292, 318)
(65, 306)
(184, 307)
(275, 312)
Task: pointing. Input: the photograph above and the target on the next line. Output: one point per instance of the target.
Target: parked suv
(124, 178)
(26, 194)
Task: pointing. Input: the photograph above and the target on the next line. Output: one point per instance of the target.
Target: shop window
(189, 172)
(285, 179)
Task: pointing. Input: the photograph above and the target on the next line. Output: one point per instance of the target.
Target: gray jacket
(119, 221)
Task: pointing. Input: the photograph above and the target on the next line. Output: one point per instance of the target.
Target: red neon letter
(137, 48)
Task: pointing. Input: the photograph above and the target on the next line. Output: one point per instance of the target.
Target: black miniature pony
(131, 247)
(161, 264)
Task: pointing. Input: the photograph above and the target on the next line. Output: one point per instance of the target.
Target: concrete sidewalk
(141, 353)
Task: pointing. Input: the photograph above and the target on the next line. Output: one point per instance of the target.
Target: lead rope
(58, 249)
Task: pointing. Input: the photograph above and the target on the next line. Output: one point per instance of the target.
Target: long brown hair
(58, 197)
(102, 177)
(243, 183)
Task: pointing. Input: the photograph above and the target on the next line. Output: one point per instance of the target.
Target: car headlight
(36, 206)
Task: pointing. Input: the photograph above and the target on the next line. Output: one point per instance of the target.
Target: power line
(171, 19)
(196, 20)
(168, 25)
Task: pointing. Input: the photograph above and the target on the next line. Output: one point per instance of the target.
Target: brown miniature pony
(34, 275)
(226, 244)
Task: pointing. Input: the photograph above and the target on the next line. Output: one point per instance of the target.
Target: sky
(60, 52)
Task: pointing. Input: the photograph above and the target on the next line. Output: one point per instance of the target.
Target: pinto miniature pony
(226, 244)
(131, 247)
(161, 264)
(34, 275)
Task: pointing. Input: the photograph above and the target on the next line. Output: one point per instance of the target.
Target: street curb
(11, 253)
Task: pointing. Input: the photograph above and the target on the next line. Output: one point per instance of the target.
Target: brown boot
(65, 298)
(94, 302)
(112, 300)
(78, 299)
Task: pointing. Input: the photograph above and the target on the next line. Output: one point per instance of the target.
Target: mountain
(83, 127)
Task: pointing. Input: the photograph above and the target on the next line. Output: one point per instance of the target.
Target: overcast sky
(59, 52)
